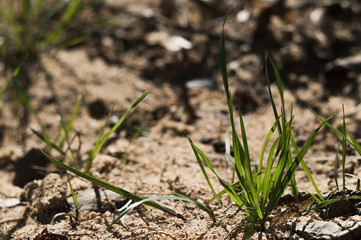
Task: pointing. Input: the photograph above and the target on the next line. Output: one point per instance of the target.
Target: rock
(350, 63)
(202, 83)
(348, 230)
(46, 197)
(320, 230)
(98, 200)
(9, 202)
(169, 42)
(243, 16)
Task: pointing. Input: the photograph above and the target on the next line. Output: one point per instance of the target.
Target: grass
(28, 28)
(152, 202)
(262, 186)
(62, 135)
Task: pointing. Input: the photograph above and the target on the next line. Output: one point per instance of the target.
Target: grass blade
(343, 149)
(278, 78)
(152, 199)
(111, 187)
(68, 15)
(296, 162)
(101, 142)
(195, 151)
(74, 196)
(336, 164)
(259, 170)
(48, 142)
(329, 202)
(229, 190)
(74, 115)
(275, 112)
(305, 168)
(351, 141)
(101, 133)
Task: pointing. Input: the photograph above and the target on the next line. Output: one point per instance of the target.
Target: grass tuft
(262, 186)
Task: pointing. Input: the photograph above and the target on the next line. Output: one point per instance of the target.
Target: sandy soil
(320, 68)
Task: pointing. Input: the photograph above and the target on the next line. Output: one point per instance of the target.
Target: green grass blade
(54, 10)
(73, 193)
(68, 15)
(305, 168)
(350, 141)
(152, 199)
(101, 142)
(265, 187)
(195, 151)
(239, 152)
(355, 145)
(336, 164)
(101, 133)
(343, 149)
(246, 158)
(203, 207)
(319, 200)
(275, 112)
(111, 187)
(231, 192)
(259, 170)
(74, 115)
(248, 171)
(48, 142)
(296, 162)
(66, 136)
(278, 79)
(235, 185)
(223, 65)
(223, 62)
(329, 202)
(290, 158)
(74, 196)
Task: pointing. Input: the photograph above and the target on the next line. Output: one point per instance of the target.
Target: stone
(46, 197)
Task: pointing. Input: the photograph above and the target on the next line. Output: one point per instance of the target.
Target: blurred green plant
(28, 28)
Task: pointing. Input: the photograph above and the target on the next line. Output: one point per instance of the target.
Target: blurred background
(177, 40)
(316, 45)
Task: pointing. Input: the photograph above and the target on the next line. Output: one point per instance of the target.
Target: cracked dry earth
(34, 194)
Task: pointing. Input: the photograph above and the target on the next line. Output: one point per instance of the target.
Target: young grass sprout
(152, 202)
(261, 186)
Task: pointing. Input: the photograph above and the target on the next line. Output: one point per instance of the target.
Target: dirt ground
(170, 47)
